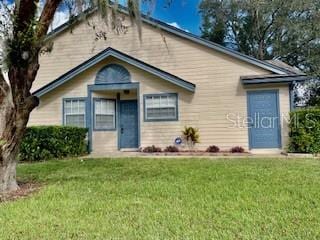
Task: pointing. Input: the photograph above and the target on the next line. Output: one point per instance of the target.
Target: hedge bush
(171, 149)
(237, 149)
(151, 149)
(213, 149)
(48, 142)
(304, 136)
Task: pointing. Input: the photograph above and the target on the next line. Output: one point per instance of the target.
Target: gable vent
(113, 73)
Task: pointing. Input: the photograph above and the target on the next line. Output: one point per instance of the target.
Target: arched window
(113, 73)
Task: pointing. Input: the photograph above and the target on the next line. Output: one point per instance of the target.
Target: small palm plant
(191, 136)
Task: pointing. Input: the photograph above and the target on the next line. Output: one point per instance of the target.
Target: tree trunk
(16, 100)
(14, 116)
(7, 156)
(261, 50)
(8, 175)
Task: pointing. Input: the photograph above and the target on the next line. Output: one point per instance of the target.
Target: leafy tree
(23, 30)
(214, 29)
(308, 94)
(314, 95)
(267, 29)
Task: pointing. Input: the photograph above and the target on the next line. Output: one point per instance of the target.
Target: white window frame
(106, 114)
(162, 96)
(65, 114)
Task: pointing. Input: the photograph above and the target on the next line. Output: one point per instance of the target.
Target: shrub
(304, 136)
(47, 142)
(191, 135)
(151, 149)
(213, 149)
(171, 149)
(237, 149)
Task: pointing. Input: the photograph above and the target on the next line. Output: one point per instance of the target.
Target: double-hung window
(74, 112)
(104, 114)
(161, 107)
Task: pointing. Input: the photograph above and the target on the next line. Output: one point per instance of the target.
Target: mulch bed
(26, 189)
(197, 153)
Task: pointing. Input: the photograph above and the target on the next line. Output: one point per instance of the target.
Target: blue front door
(264, 119)
(128, 124)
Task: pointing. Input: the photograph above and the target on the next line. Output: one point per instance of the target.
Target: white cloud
(176, 25)
(63, 16)
(60, 18)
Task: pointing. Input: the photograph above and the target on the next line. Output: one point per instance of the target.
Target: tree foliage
(308, 94)
(304, 128)
(267, 29)
(214, 29)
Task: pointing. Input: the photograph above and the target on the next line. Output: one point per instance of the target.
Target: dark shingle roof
(282, 64)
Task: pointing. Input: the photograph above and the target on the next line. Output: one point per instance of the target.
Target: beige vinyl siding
(183, 58)
(218, 93)
(206, 109)
(49, 112)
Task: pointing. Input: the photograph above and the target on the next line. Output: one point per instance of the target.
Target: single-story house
(133, 93)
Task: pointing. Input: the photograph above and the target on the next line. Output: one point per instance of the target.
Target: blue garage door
(264, 119)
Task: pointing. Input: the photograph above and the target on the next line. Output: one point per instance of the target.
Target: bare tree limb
(273, 19)
(46, 17)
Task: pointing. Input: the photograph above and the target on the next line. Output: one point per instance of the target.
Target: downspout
(291, 95)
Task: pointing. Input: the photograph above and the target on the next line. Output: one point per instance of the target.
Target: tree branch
(22, 76)
(24, 13)
(31, 102)
(46, 17)
(273, 18)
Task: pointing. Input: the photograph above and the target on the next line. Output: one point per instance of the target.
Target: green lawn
(167, 199)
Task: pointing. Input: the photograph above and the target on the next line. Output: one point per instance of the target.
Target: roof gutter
(278, 79)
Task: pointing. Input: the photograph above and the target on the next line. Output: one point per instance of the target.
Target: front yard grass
(167, 199)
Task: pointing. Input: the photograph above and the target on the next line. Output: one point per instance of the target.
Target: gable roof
(275, 68)
(110, 52)
(292, 69)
